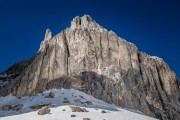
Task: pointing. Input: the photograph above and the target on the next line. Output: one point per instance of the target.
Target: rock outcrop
(15, 70)
(92, 59)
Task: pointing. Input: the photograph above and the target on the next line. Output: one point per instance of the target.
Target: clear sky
(153, 25)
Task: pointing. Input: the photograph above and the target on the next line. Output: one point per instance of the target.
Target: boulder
(17, 107)
(78, 109)
(6, 107)
(50, 95)
(86, 119)
(73, 115)
(39, 106)
(44, 110)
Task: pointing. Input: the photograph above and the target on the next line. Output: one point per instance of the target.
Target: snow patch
(63, 111)
(155, 57)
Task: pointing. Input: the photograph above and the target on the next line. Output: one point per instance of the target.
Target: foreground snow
(62, 111)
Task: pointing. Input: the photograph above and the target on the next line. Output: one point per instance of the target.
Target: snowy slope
(62, 111)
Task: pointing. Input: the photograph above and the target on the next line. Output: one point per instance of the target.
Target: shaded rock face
(89, 58)
(14, 70)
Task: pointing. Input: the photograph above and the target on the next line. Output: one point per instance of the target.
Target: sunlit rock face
(90, 58)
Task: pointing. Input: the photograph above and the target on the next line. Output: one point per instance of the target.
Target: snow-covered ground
(62, 111)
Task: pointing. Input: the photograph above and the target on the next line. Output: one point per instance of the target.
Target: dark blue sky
(153, 25)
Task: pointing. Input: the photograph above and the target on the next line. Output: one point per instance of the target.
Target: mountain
(89, 58)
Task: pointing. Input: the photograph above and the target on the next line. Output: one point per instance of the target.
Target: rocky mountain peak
(47, 38)
(90, 58)
(81, 22)
(48, 34)
(85, 22)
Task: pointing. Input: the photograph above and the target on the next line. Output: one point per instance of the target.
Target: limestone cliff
(92, 59)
